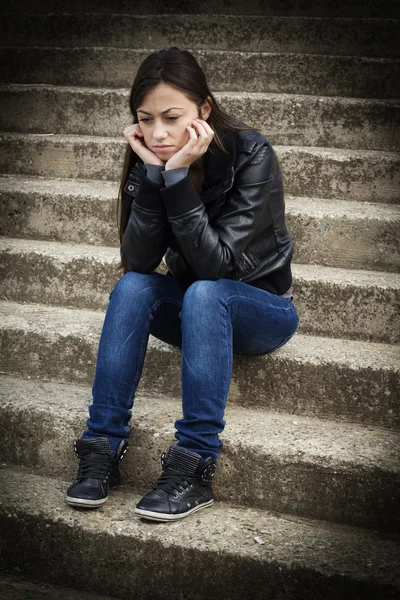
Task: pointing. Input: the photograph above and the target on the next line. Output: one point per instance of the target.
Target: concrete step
(365, 175)
(240, 549)
(360, 304)
(339, 8)
(309, 376)
(16, 587)
(233, 71)
(319, 469)
(284, 119)
(338, 233)
(248, 33)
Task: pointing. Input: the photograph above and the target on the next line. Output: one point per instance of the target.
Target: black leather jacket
(235, 228)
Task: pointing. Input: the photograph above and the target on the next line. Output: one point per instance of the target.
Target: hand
(133, 135)
(200, 137)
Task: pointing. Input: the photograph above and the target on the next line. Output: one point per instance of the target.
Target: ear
(206, 108)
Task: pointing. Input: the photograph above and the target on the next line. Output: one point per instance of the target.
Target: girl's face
(163, 117)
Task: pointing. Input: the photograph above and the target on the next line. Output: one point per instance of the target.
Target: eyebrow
(163, 112)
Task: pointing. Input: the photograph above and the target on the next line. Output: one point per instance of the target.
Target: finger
(208, 128)
(205, 138)
(129, 131)
(133, 127)
(209, 131)
(200, 128)
(192, 134)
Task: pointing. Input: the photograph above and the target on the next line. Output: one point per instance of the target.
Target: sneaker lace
(172, 483)
(95, 467)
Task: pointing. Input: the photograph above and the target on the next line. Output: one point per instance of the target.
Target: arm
(212, 251)
(144, 240)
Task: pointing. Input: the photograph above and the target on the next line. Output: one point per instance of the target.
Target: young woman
(204, 190)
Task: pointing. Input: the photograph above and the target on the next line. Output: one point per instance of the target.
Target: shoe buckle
(208, 473)
(123, 451)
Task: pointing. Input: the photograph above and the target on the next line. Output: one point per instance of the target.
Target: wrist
(172, 176)
(170, 167)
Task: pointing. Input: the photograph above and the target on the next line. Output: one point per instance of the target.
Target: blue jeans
(209, 321)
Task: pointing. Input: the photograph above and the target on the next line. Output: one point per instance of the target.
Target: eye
(144, 120)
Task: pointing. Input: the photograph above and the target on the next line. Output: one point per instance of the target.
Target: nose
(159, 133)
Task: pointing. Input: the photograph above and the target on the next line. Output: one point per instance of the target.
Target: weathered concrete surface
(338, 472)
(284, 119)
(352, 304)
(67, 211)
(217, 545)
(303, 35)
(312, 376)
(366, 77)
(341, 8)
(364, 175)
(338, 233)
(18, 588)
(82, 276)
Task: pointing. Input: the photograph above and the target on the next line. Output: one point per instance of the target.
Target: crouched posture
(218, 217)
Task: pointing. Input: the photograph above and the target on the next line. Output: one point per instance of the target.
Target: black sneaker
(183, 488)
(98, 472)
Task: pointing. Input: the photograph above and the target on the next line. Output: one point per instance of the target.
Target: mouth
(162, 147)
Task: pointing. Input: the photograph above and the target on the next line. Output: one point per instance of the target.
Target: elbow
(129, 261)
(140, 264)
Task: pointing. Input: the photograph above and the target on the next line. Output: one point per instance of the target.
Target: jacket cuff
(148, 195)
(172, 176)
(180, 198)
(154, 172)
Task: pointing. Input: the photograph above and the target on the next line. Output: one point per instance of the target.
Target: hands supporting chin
(200, 137)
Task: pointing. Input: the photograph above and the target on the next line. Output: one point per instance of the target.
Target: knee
(203, 294)
(130, 286)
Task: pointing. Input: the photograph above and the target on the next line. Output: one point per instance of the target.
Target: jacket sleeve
(144, 242)
(212, 250)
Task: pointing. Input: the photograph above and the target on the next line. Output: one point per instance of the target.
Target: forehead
(164, 96)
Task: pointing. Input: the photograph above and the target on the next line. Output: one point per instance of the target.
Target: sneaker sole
(83, 503)
(154, 516)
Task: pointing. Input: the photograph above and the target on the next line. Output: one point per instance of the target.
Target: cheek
(184, 136)
(146, 138)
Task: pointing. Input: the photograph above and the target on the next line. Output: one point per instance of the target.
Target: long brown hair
(179, 69)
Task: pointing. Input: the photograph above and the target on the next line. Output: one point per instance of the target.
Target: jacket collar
(218, 168)
(217, 162)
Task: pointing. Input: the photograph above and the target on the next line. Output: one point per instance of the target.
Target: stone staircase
(308, 485)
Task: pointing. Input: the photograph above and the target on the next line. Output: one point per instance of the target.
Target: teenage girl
(203, 191)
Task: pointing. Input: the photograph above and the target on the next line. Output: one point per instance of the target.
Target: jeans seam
(261, 303)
